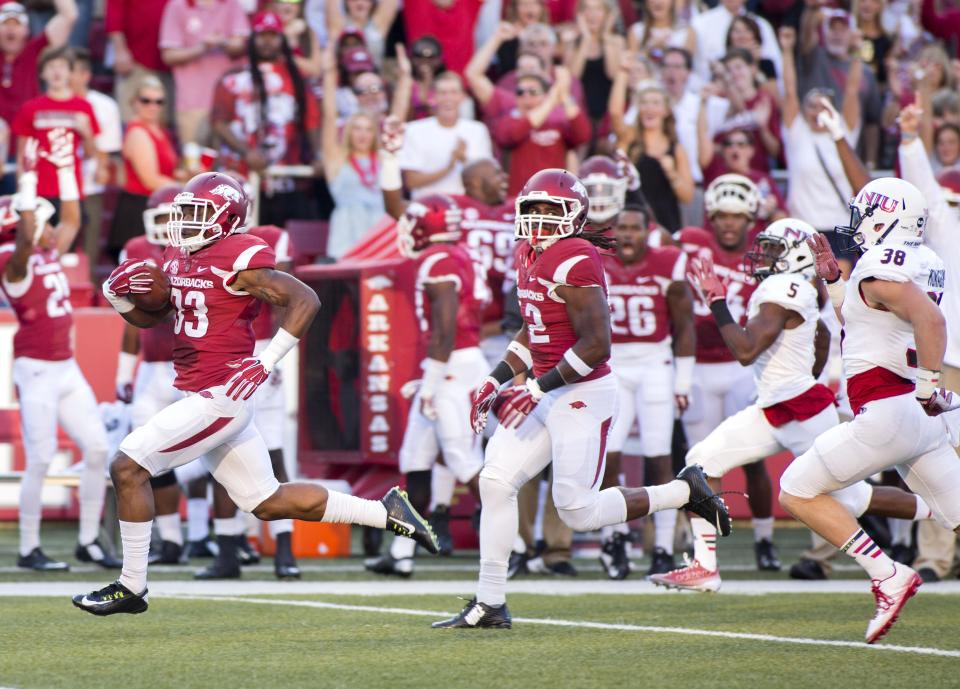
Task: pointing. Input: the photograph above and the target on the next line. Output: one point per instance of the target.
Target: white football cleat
(692, 577)
(891, 595)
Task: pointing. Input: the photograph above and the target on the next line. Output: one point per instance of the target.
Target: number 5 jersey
(42, 304)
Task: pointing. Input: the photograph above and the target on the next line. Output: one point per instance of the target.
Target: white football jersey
(785, 369)
(873, 338)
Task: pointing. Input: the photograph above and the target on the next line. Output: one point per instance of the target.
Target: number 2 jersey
(572, 262)
(879, 352)
(42, 304)
(213, 325)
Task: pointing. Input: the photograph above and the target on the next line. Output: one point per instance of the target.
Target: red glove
(483, 399)
(125, 392)
(942, 400)
(517, 407)
(824, 261)
(251, 373)
(705, 280)
(129, 278)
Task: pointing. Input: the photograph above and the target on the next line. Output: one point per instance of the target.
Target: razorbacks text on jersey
(278, 240)
(453, 263)
(732, 269)
(637, 294)
(488, 235)
(213, 323)
(572, 262)
(41, 302)
(879, 352)
(156, 344)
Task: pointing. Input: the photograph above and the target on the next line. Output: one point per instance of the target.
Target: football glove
(251, 373)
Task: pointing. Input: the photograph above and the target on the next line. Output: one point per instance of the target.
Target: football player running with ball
(217, 278)
(894, 341)
(564, 411)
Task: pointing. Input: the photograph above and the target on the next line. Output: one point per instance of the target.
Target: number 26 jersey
(572, 262)
(638, 295)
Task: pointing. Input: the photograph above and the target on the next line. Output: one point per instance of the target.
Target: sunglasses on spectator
(736, 143)
(151, 101)
(529, 92)
(368, 90)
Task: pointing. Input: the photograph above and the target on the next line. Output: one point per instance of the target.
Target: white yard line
(684, 631)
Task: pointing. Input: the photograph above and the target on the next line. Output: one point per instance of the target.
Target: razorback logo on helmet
(432, 219)
(877, 200)
(226, 192)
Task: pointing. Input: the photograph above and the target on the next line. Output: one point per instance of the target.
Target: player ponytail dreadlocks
(599, 238)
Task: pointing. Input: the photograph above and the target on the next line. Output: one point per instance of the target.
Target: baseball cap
(358, 59)
(13, 10)
(836, 14)
(266, 21)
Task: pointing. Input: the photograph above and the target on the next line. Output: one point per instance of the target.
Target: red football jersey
(156, 343)
(638, 294)
(213, 322)
(42, 304)
(488, 233)
(278, 240)
(573, 262)
(732, 269)
(453, 263)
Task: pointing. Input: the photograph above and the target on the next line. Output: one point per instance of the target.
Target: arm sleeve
(94, 122)
(583, 269)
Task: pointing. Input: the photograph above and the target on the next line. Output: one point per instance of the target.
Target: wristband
(433, 372)
(126, 364)
(67, 182)
(502, 373)
(927, 383)
(390, 178)
(721, 313)
(576, 363)
(521, 353)
(281, 343)
(26, 198)
(119, 304)
(551, 380)
(683, 374)
(837, 289)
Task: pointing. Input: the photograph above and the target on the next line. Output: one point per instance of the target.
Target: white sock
(442, 484)
(704, 543)
(900, 531)
(198, 519)
(923, 510)
(665, 524)
(279, 526)
(31, 506)
(169, 527)
(241, 518)
(668, 496)
(93, 483)
(763, 529)
(402, 547)
(135, 537)
(226, 527)
(499, 521)
(349, 509)
(869, 555)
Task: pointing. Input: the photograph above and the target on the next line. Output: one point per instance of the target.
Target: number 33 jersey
(638, 295)
(572, 262)
(213, 323)
(42, 304)
(873, 338)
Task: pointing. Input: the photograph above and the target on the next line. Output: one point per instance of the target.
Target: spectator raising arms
(302, 39)
(661, 27)
(592, 52)
(19, 52)
(712, 27)
(520, 14)
(198, 40)
(264, 115)
(372, 19)
(149, 161)
(133, 27)
(426, 57)
(544, 128)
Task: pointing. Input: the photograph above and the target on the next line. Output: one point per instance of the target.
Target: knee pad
(856, 497)
(164, 480)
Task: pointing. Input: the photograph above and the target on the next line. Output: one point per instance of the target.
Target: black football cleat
(169, 553)
(112, 599)
(478, 616)
(517, 565)
(284, 563)
(661, 562)
(218, 570)
(767, 558)
(703, 502)
(246, 553)
(39, 562)
(96, 553)
(203, 548)
(563, 568)
(404, 520)
(440, 522)
(807, 570)
(613, 557)
(388, 565)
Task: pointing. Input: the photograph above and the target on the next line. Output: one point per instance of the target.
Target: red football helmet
(211, 206)
(559, 188)
(432, 219)
(159, 204)
(9, 217)
(606, 187)
(949, 181)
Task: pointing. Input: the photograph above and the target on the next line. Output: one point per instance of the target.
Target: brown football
(159, 295)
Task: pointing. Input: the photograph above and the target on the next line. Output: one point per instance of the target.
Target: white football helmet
(782, 248)
(888, 210)
(732, 194)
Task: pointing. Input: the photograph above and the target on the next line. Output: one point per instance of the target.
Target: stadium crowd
(293, 95)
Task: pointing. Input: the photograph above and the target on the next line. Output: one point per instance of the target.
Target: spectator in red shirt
(264, 115)
(133, 27)
(944, 25)
(59, 109)
(451, 21)
(543, 130)
(19, 52)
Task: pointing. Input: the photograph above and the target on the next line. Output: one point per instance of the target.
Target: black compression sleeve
(502, 373)
(551, 380)
(721, 313)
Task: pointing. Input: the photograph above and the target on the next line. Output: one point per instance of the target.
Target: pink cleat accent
(692, 577)
(891, 595)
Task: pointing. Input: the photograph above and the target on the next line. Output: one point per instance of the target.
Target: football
(159, 295)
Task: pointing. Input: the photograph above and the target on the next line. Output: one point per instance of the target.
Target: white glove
(829, 119)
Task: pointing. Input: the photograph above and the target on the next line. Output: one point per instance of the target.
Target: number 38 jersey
(572, 262)
(638, 295)
(213, 321)
(42, 304)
